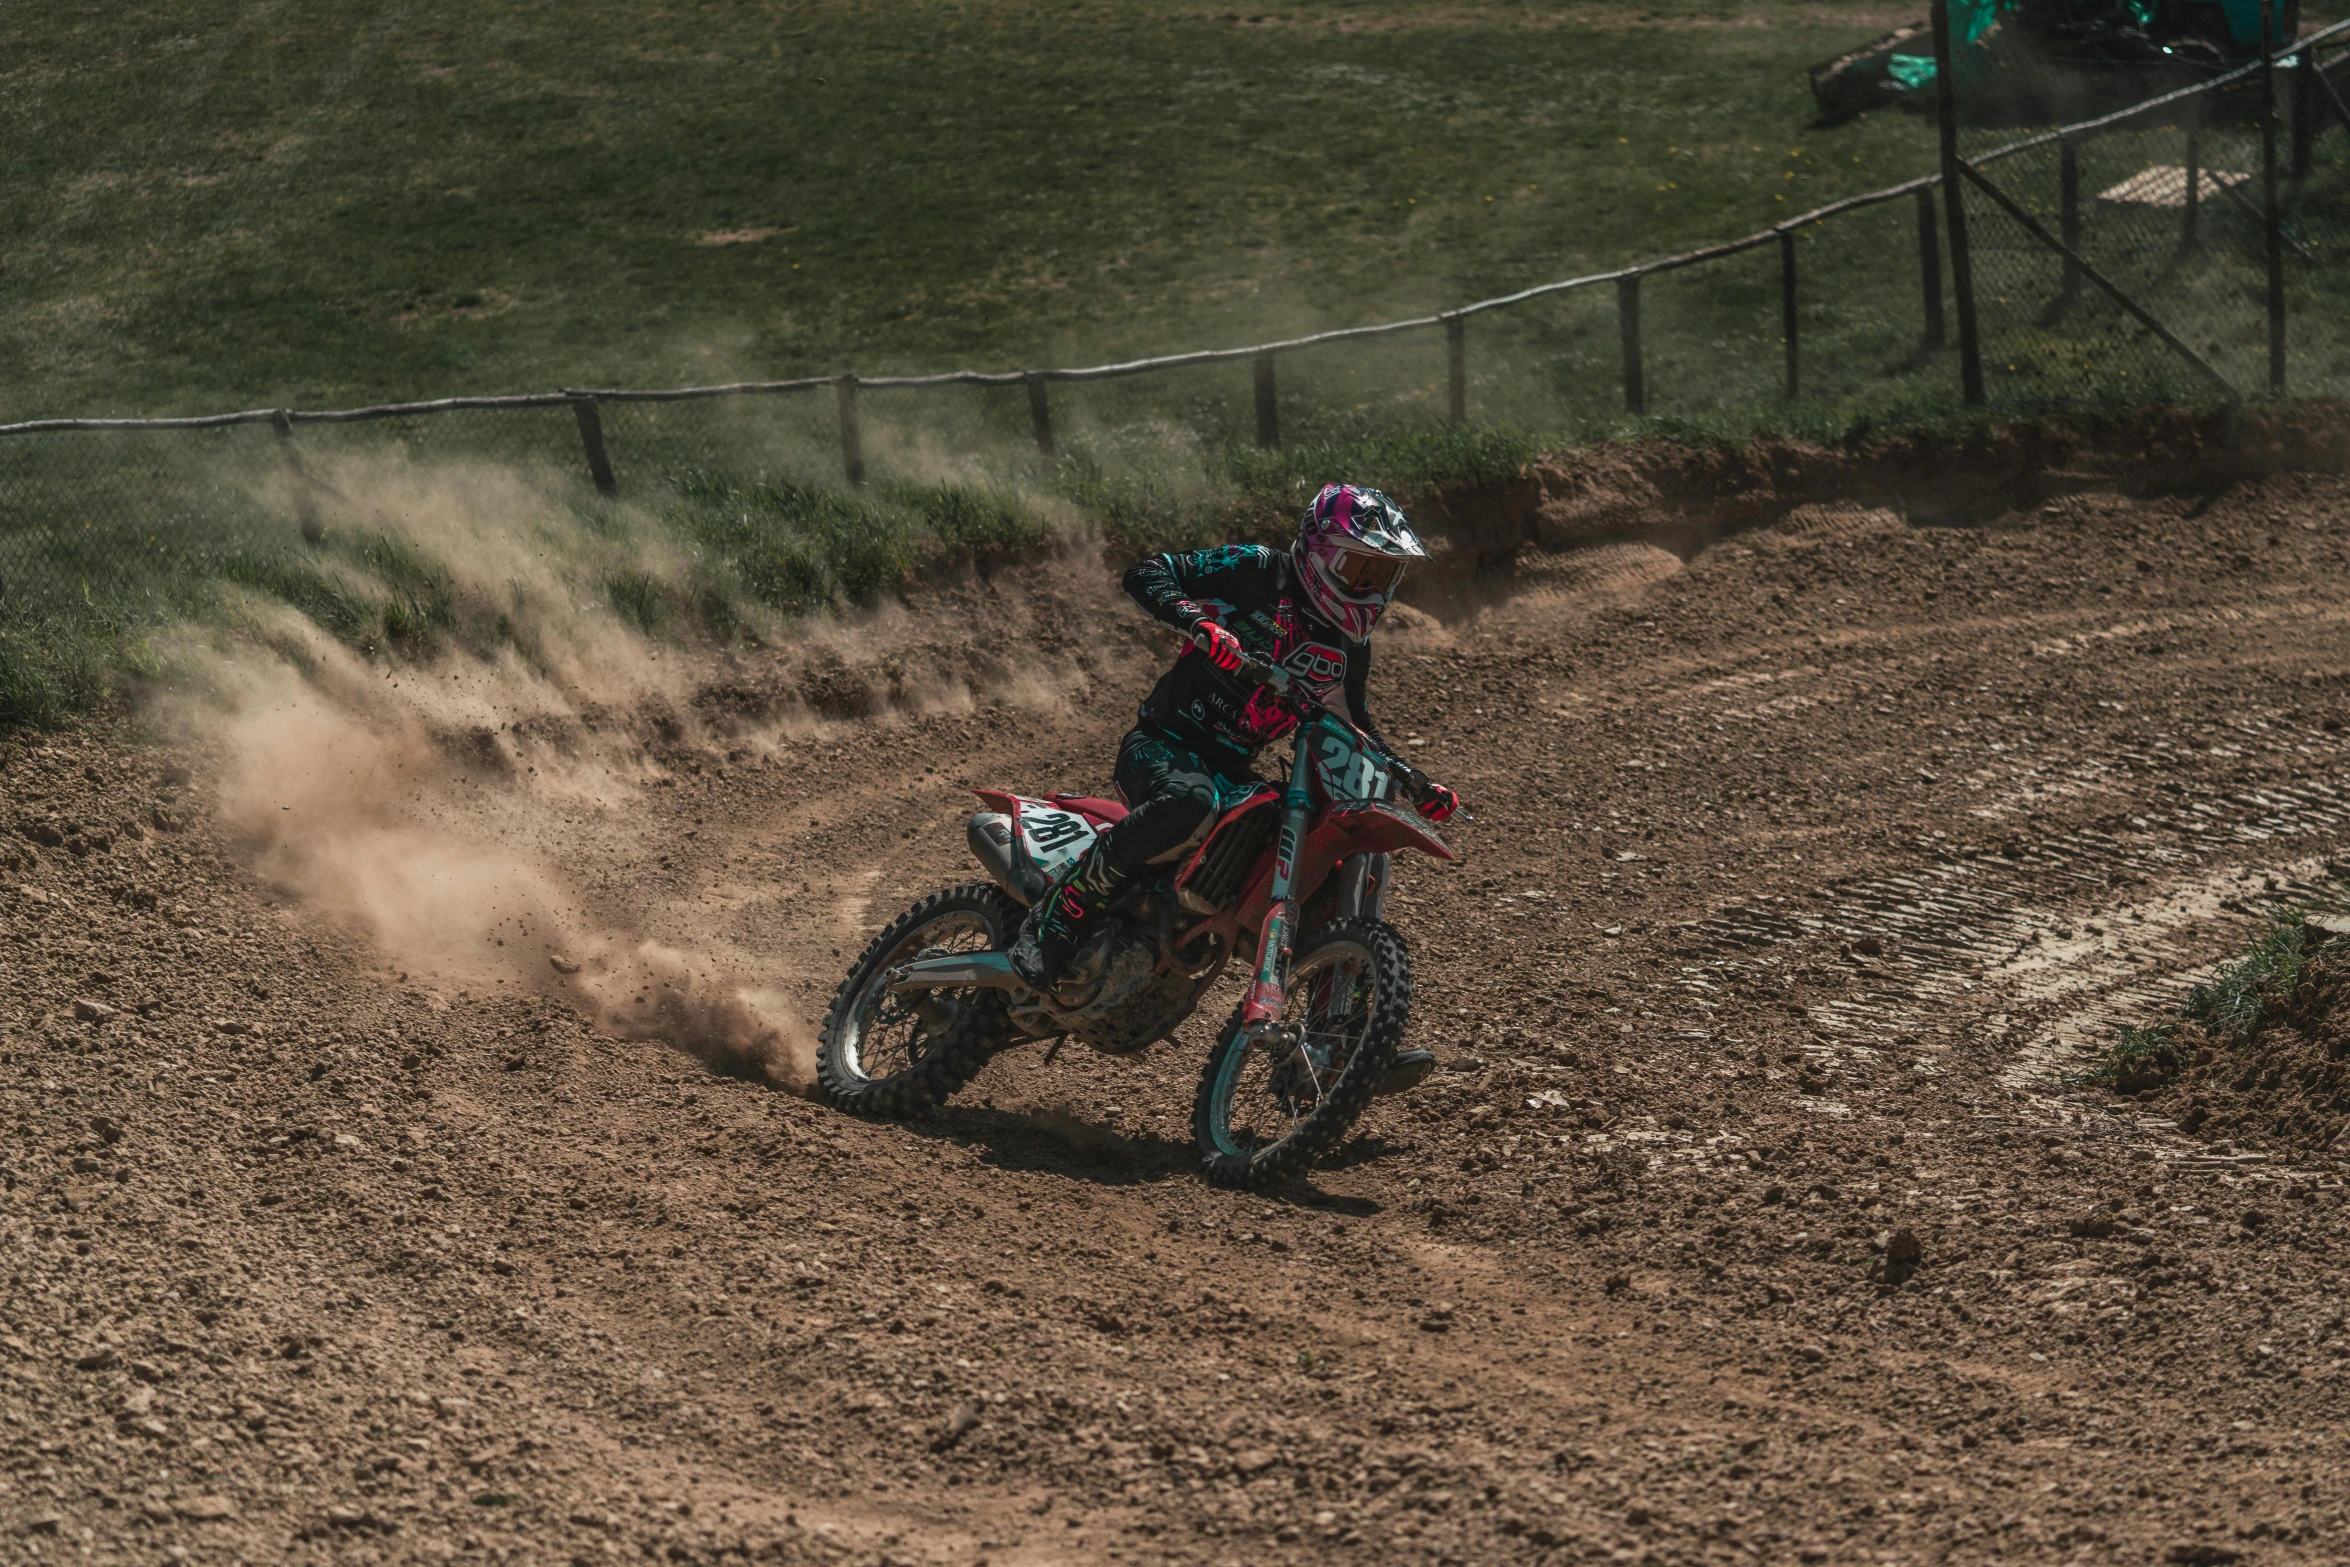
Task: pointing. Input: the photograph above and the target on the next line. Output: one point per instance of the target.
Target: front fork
(1260, 1013)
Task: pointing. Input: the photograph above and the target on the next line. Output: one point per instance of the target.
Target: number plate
(1053, 836)
(1345, 769)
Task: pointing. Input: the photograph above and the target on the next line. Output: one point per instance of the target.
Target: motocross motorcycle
(1290, 881)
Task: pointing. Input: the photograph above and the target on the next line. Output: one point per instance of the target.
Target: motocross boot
(1408, 1071)
(1064, 917)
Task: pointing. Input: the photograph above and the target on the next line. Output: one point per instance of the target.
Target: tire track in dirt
(1937, 935)
(1611, 1286)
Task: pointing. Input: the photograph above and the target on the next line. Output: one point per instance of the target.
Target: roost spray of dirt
(446, 804)
(434, 805)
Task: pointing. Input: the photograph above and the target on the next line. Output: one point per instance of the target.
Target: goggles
(1367, 574)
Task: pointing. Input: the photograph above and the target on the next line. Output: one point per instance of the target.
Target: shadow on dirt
(1060, 1142)
(1305, 1194)
(1368, 1148)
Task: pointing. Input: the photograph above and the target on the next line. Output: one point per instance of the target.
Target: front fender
(1361, 827)
(1377, 827)
(1357, 827)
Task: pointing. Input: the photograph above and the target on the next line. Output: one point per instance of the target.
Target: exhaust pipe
(990, 836)
(963, 971)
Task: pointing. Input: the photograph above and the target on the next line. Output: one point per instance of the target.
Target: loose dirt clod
(455, 1244)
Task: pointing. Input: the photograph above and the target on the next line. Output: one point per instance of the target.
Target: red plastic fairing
(1000, 800)
(1375, 827)
(1263, 797)
(1104, 811)
(1368, 827)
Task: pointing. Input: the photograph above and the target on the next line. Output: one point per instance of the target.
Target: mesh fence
(1849, 314)
(118, 525)
(2170, 208)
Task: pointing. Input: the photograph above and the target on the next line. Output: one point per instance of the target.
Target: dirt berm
(369, 1197)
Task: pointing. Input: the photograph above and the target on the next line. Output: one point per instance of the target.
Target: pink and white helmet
(1350, 554)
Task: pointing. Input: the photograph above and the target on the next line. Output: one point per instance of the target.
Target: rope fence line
(850, 383)
(2096, 261)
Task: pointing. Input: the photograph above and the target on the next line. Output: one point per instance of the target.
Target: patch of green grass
(2140, 1058)
(2270, 979)
(2236, 1003)
(213, 210)
(29, 696)
(640, 598)
(795, 545)
(216, 207)
(295, 579)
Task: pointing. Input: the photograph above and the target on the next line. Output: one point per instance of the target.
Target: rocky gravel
(1757, 1211)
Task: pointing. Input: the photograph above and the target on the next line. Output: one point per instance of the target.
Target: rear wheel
(897, 1056)
(1269, 1107)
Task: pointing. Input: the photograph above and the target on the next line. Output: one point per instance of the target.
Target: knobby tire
(953, 1058)
(1321, 1130)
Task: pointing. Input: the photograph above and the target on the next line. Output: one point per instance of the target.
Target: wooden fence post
(1930, 268)
(305, 503)
(1456, 368)
(852, 439)
(1788, 323)
(1268, 409)
(591, 436)
(2304, 112)
(2272, 216)
(1040, 418)
(2068, 226)
(1962, 269)
(1628, 330)
(2194, 213)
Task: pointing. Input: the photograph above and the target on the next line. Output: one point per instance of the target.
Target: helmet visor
(1367, 574)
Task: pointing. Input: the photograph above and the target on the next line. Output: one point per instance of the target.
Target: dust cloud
(452, 865)
(462, 810)
(442, 808)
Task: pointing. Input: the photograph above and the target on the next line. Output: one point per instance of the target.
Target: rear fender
(1100, 812)
(1046, 836)
(962, 971)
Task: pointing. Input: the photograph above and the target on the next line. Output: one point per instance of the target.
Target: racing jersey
(1250, 591)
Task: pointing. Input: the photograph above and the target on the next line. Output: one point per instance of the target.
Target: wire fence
(2189, 244)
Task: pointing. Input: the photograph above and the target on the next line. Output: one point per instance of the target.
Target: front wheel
(1269, 1107)
(896, 1056)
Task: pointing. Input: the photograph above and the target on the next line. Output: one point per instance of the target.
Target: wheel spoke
(891, 1034)
(1271, 1090)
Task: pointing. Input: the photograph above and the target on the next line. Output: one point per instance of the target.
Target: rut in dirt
(1710, 1236)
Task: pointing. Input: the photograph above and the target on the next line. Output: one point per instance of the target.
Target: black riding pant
(1172, 795)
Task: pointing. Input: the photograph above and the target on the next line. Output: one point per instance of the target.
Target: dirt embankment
(1755, 1213)
(1683, 497)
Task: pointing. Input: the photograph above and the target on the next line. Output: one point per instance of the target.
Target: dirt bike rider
(1308, 611)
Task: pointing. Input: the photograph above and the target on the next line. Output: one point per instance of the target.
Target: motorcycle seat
(1103, 812)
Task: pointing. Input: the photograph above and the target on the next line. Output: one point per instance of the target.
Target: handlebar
(1417, 785)
(1251, 668)
(1262, 673)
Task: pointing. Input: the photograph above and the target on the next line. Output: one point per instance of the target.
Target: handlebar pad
(1250, 669)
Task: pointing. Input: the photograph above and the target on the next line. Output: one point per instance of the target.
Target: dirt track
(1804, 870)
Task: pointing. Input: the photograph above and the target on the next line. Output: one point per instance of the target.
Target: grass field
(222, 206)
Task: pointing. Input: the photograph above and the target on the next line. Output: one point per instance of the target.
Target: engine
(1114, 996)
